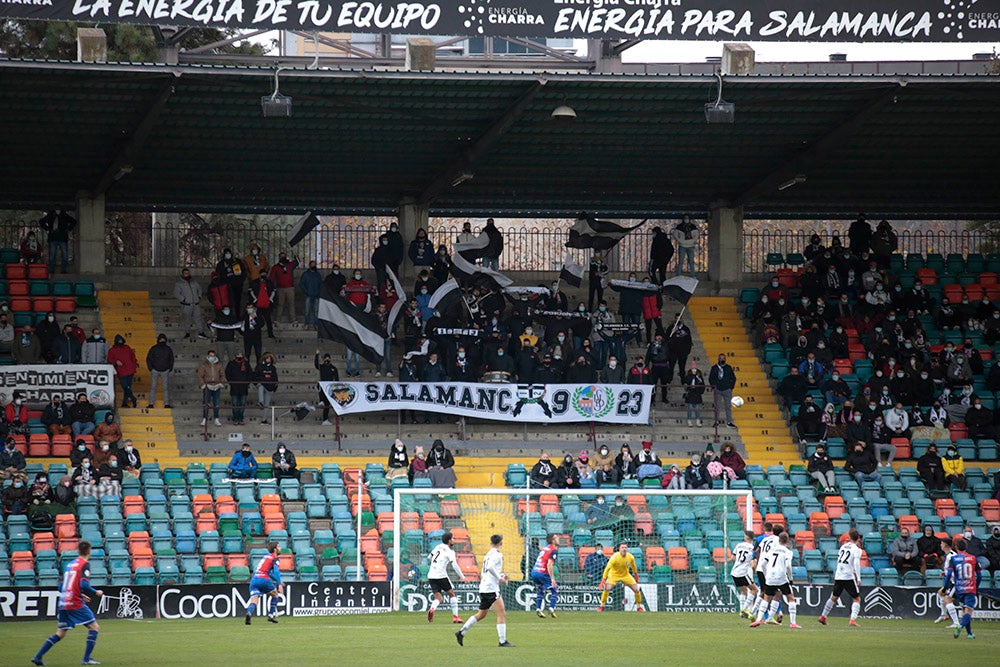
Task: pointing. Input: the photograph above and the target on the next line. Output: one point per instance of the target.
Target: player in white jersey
(778, 579)
(847, 578)
(441, 557)
(946, 597)
(489, 593)
(765, 543)
(742, 571)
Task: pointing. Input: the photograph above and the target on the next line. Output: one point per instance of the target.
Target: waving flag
(590, 232)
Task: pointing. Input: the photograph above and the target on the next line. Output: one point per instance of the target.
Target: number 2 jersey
(441, 557)
(544, 560)
(268, 568)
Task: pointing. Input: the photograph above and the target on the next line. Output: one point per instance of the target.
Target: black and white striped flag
(590, 232)
(398, 306)
(571, 273)
(464, 267)
(446, 297)
(340, 320)
(680, 288)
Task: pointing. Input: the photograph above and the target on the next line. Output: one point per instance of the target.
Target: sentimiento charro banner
(40, 383)
(536, 403)
(756, 20)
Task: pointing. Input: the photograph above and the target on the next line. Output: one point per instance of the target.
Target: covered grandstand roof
(190, 137)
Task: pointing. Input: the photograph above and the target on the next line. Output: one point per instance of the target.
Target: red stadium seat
(38, 272)
(38, 444)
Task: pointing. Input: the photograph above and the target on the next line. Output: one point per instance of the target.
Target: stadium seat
(677, 558)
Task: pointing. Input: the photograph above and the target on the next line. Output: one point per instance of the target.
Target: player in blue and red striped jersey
(75, 592)
(543, 575)
(266, 580)
(964, 574)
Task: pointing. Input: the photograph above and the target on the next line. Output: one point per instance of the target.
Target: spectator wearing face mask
(930, 469)
(282, 277)
(85, 479)
(122, 357)
(441, 267)
(82, 415)
(862, 464)
(66, 349)
(567, 476)
(15, 415)
(583, 468)
(283, 463)
(262, 297)
(109, 478)
(266, 377)
(79, 451)
(12, 462)
(694, 392)
(882, 441)
(160, 363)
(548, 372)
(311, 284)
(233, 272)
(625, 463)
(102, 453)
(953, 466)
(695, 475)
(993, 549)
(41, 490)
(187, 292)
(421, 250)
(256, 262)
(418, 465)
(820, 468)
(109, 429)
(129, 459)
(630, 305)
(613, 371)
(399, 460)
(243, 465)
(211, 380)
(239, 375)
(979, 421)
(16, 498)
(835, 390)
(897, 421)
(441, 466)
(648, 464)
(63, 496)
(640, 373)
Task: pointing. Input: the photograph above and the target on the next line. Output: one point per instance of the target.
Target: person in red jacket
(283, 277)
(262, 297)
(218, 293)
(123, 358)
(16, 414)
(652, 302)
(358, 290)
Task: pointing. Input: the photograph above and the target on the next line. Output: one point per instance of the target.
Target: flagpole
(677, 322)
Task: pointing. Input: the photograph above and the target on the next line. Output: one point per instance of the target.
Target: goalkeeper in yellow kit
(621, 567)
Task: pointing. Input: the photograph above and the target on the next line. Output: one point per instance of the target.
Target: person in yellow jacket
(953, 466)
(256, 263)
(620, 568)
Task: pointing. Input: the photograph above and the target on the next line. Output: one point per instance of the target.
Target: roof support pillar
(90, 236)
(725, 246)
(412, 216)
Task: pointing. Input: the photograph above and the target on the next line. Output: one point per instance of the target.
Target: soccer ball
(737, 401)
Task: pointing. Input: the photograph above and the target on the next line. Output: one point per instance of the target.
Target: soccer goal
(676, 537)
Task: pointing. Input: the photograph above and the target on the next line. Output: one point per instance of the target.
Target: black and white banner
(40, 383)
(537, 403)
(321, 598)
(760, 20)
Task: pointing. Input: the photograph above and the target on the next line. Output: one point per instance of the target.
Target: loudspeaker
(722, 113)
(276, 106)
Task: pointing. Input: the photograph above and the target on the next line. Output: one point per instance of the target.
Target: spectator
(661, 251)
(48, 330)
(41, 490)
(543, 473)
(812, 370)
(597, 279)
(102, 454)
(232, 271)
(567, 476)
(80, 452)
(283, 463)
(130, 459)
(251, 328)
(224, 326)
(648, 464)
(606, 475)
(433, 371)
(211, 380)
(685, 235)
(262, 298)
(883, 243)
(421, 250)
(835, 390)
(266, 377)
(335, 280)
(931, 470)
(399, 460)
(975, 547)
(311, 284)
(466, 235)
(16, 498)
(625, 463)
(905, 555)
(15, 415)
(979, 421)
(218, 293)
(418, 465)
(594, 564)
(109, 478)
(897, 421)
(695, 475)
(122, 357)
(31, 249)
(64, 496)
(441, 267)
(395, 248)
(282, 278)
(810, 421)
(187, 291)
(820, 468)
(440, 466)
(109, 430)
(256, 263)
(862, 464)
(630, 306)
(613, 372)
(556, 299)
(953, 466)
(583, 467)
(639, 373)
(793, 387)
(929, 550)
(85, 479)
(239, 375)
(722, 379)
(66, 349)
(882, 441)
(679, 345)
(58, 225)
(860, 236)
(243, 465)
(82, 415)
(673, 479)
(160, 363)
(694, 389)
(12, 463)
(327, 373)
(493, 250)
(732, 460)
(601, 456)
(993, 549)
(6, 335)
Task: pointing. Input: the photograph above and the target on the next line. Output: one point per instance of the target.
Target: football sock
(604, 597)
(793, 608)
(940, 601)
(775, 608)
(638, 598)
(454, 605)
(539, 598)
(743, 601)
(434, 604)
(251, 609)
(553, 598)
(952, 612)
(855, 610)
(468, 624)
(273, 608)
(49, 643)
(967, 622)
(756, 603)
(761, 611)
(828, 607)
(91, 642)
(502, 632)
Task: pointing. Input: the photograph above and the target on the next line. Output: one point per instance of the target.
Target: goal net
(676, 537)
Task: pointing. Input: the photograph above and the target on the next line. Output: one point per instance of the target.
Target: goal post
(677, 537)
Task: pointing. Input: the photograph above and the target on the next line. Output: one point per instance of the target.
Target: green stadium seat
(216, 574)
(239, 573)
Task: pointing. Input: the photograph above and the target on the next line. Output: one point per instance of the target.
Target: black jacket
(66, 349)
(239, 375)
(327, 371)
(160, 358)
(58, 415)
(14, 459)
(81, 411)
(661, 249)
(543, 471)
(722, 378)
(863, 461)
(819, 463)
(440, 458)
(266, 375)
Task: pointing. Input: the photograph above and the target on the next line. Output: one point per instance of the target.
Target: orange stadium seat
(22, 560)
(38, 445)
(655, 556)
(834, 506)
(677, 558)
(990, 510)
(805, 539)
(910, 522)
(43, 542)
(202, 502)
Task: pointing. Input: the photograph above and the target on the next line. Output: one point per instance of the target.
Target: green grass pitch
(575, 638)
